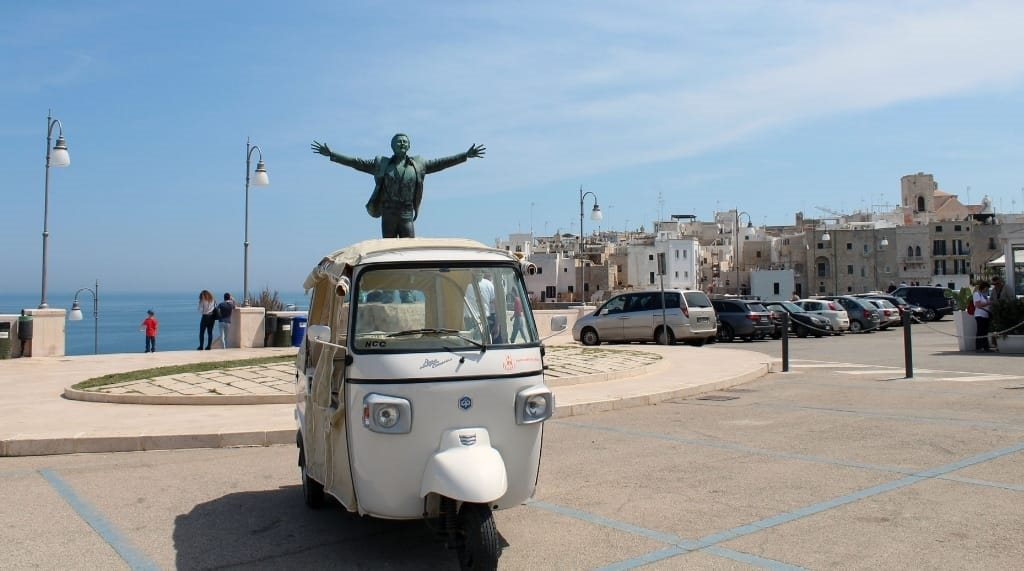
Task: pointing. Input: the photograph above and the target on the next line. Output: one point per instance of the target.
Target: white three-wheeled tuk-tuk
(420, 387)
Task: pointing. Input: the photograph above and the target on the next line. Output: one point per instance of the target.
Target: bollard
(785, 342)
(908, 354)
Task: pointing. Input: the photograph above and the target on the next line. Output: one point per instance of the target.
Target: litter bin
(25, 327)
(298, 330)
(269, 327)
(283, 333)
(5, 339)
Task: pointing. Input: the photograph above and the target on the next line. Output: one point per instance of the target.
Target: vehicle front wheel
(856, 327)
(801, 332)
(589, 337)
(312, 491)
(479, 545)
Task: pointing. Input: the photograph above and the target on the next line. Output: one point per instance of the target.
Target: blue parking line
(709, 543)
(114, 538)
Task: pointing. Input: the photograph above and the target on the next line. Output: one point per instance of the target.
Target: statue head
(400, 144)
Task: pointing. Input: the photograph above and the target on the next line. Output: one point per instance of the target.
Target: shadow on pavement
(274, 529)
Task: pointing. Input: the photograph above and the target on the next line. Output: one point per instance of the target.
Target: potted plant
(1008, 323)
(966, 327)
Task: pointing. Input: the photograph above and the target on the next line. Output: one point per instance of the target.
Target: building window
(862, 271)
(677, 254)
(991, 243)
(677, 274)
(821, 246)
(910, 251)
(849, 270)
(849, 245)
(618, 268)
(957, 228)
(650, 257)
(650, 279)
(822, 269)
(939, 247)
(917, 251)
(540, 270)
(865, 248)
(938, 228)
(920, 204)
(565, 270)
(758, 254)
(684, 254)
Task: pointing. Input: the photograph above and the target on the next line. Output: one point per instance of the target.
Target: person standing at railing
(982, 306)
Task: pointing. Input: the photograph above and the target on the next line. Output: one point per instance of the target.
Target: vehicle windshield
(790, 307)
(440, 308)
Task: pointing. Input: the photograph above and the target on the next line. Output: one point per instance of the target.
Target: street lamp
(76, 314)
(258, 179)
(736, 231)
(834, 263)
(60, 158)
(595, 215)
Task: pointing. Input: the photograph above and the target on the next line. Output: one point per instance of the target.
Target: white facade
(772, 285)
(681, 262)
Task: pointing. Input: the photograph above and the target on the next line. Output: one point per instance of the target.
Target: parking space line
(131, 555)
(709, 543)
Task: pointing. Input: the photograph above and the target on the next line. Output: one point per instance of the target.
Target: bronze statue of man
(398, 180)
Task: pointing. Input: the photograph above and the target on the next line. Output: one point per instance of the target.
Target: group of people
(210, 313)
(485, 285)
(985, 297)
(213, 312)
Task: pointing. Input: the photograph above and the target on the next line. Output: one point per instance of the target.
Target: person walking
(225, 309)
(517, 320)
(149, 326)
(206, 308)
(981, 316)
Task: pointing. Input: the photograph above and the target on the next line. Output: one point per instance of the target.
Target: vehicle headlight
(535, 404)
(390, 415)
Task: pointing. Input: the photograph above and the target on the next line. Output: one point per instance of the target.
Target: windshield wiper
(436, 331)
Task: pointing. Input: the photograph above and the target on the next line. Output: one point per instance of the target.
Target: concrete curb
(92, 396)
(99, 444)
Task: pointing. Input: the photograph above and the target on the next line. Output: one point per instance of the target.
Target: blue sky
(772, 107)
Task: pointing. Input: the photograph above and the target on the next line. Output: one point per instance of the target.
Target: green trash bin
(283, 334)
(5, 339)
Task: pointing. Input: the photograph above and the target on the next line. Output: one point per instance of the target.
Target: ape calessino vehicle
(421, 388)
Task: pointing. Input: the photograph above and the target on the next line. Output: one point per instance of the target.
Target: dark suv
(932, 298)
(742, 318)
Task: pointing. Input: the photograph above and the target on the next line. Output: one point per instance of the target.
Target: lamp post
(258, 179)
(60, 158)
(595, 215)
(736, 231)
(76, 314)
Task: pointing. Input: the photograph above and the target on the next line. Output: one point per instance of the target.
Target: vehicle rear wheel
(589, 336)
(479, 544)
(726, 333)
(312, 491)
(856, 327)
(661, 334)
(930, 315)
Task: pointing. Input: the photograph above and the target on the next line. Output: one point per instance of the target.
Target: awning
(1018, 258)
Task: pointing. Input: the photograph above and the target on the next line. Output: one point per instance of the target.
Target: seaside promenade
(254, 406)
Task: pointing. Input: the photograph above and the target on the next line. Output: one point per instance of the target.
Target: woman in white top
(981, 316)
(206, 307)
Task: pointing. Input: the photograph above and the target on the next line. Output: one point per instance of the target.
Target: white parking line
(931, 375)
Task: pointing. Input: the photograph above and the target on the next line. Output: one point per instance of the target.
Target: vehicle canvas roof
(338, 263)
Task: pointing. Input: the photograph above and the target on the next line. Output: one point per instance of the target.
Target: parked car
(637, 316)
(863, 315)
(801, 322)
(742, 318)
(827, 309)
(888, 314)
(900, 303)
(932, 298)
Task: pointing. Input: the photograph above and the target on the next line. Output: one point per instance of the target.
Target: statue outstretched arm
(364, 165)
(475, 151)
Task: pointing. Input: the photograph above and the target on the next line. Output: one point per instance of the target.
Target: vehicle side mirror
(559, 323)
(321, 332)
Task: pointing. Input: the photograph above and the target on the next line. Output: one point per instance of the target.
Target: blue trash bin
(298, 330)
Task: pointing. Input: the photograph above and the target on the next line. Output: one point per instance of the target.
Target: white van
(640, 315)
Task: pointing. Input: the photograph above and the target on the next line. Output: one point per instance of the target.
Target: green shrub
(1008, 317)
(268, 300)
(963, 297)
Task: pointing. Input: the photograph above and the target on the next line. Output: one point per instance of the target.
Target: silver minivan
(637, 316)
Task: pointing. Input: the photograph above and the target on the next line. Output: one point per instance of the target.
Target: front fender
(466, 468)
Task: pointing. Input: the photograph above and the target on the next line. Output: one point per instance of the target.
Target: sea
(121, 314)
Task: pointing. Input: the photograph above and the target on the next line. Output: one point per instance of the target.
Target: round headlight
(386, 416)
(536, 406)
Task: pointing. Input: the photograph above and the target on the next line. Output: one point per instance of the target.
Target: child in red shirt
(149, 324)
